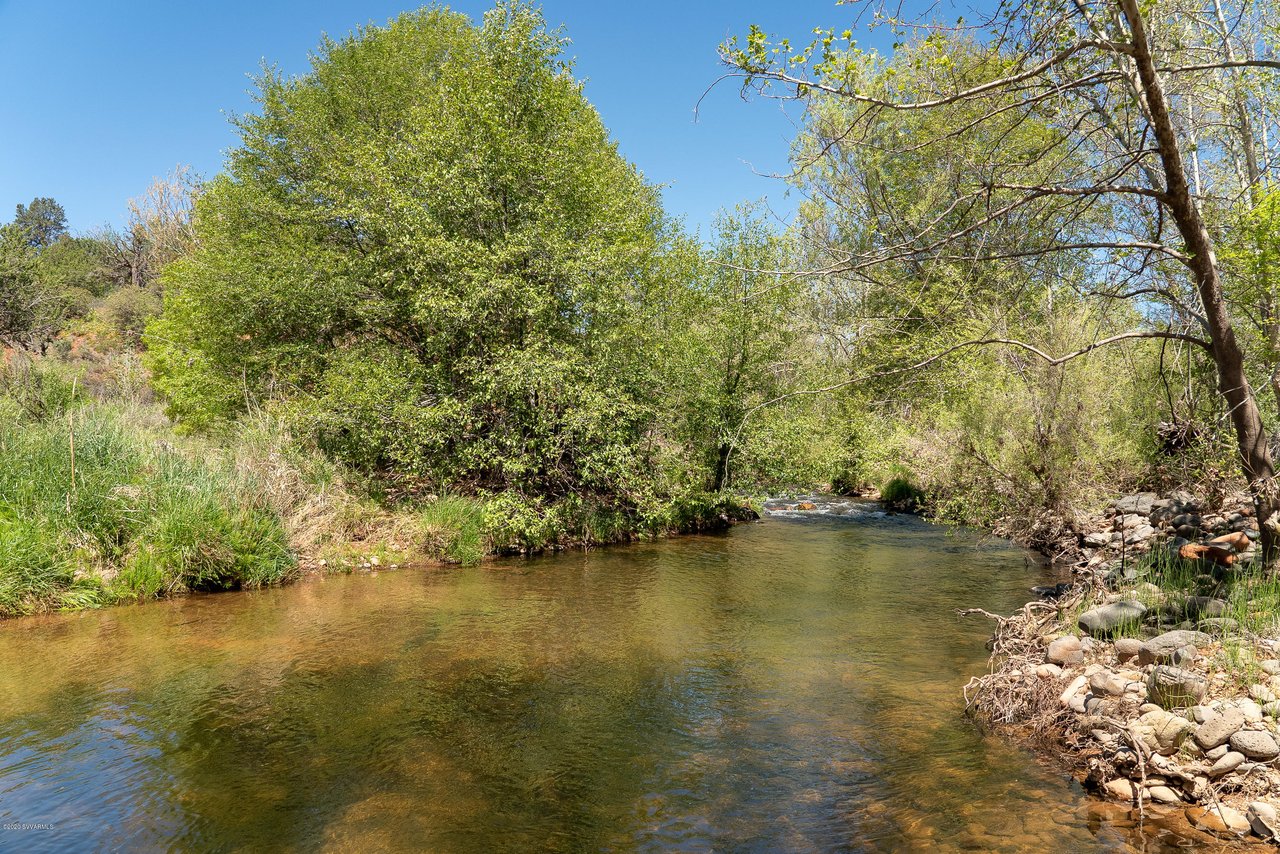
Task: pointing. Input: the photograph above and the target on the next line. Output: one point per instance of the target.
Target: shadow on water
(791, 685)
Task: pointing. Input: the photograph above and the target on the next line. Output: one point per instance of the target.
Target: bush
(901, 492)
(453, 529)
(127, 310)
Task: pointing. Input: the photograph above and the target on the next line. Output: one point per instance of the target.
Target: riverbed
(792, 684)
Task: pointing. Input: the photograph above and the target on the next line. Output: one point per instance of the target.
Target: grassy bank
(102, 501)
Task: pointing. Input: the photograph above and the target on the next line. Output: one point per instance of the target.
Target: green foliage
(899, 491)
(30, 312)
(41, 222)
(454, 529)
(77, 264)
(429, 254)
(95, 507)
(127, 311)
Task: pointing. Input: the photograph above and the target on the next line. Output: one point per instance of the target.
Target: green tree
(429, 251)
(30, 312)
(41, 222)
(741, 340)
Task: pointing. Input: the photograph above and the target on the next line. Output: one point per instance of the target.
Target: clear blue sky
(102, 95)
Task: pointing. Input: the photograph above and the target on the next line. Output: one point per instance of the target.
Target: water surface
(791, 685)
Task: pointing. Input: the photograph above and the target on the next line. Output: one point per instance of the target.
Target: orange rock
(1237, 540)
(806, 505)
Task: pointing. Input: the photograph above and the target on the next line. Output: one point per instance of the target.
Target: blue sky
(102, 96)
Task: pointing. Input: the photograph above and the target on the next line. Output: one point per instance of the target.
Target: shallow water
(791, 685)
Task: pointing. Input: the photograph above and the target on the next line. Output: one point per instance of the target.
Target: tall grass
(98, 503)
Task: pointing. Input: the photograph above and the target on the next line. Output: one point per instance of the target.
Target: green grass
(98, 503)
(453, 529)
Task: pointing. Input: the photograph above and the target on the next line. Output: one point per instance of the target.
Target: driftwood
(1221, 550)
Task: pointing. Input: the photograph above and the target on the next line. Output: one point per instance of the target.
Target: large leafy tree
(430, 253)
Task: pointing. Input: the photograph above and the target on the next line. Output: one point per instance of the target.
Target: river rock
(1204, 606)
(1225, 764)
(1142, 502)
(1140, 534)
(1108, 684)
(1219, 729)
(1161, 731)
(1217, 753)
(1252, 711)
(1271, 710)
(1123, 789)
(1219, 818)
(1201, 714)
(1164, 795)
(1262, 694)
(1107, 619)
(1162, 649)
(1173, 687)
(1219, 625)
(1065, 650)
(1271, 666)
(1071, 690)
(1049, 671)
(1262, 818)
(1255, 744)
(1099, 540)
(1127, 648)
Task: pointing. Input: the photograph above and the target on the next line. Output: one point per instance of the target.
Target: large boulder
(1169, 647)
(1175, 688)
(1108, 619)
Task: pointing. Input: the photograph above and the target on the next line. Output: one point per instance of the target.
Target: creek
(793, 684)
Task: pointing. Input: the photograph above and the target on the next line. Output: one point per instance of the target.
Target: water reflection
(790, 686)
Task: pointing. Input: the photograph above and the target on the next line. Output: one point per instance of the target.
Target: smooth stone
(1262, 694)
(1270, 666)
(1164, 795)
(1173, 687)
(1107, 684)
(1252, 711)
(1163, 648)
(1149, 707)
(1217, 753)
(1227, 763)
(1255, 745)
(1218, 819)
(1107, 619)
(1205, 606)
(1127, 648)
(1073, 689)
(1202, 714)
(1123, 789)
(1220, 728)
(1065, 650)
(1049, 671)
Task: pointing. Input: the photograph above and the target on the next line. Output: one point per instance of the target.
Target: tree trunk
(722, 466)
(1251, 438)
